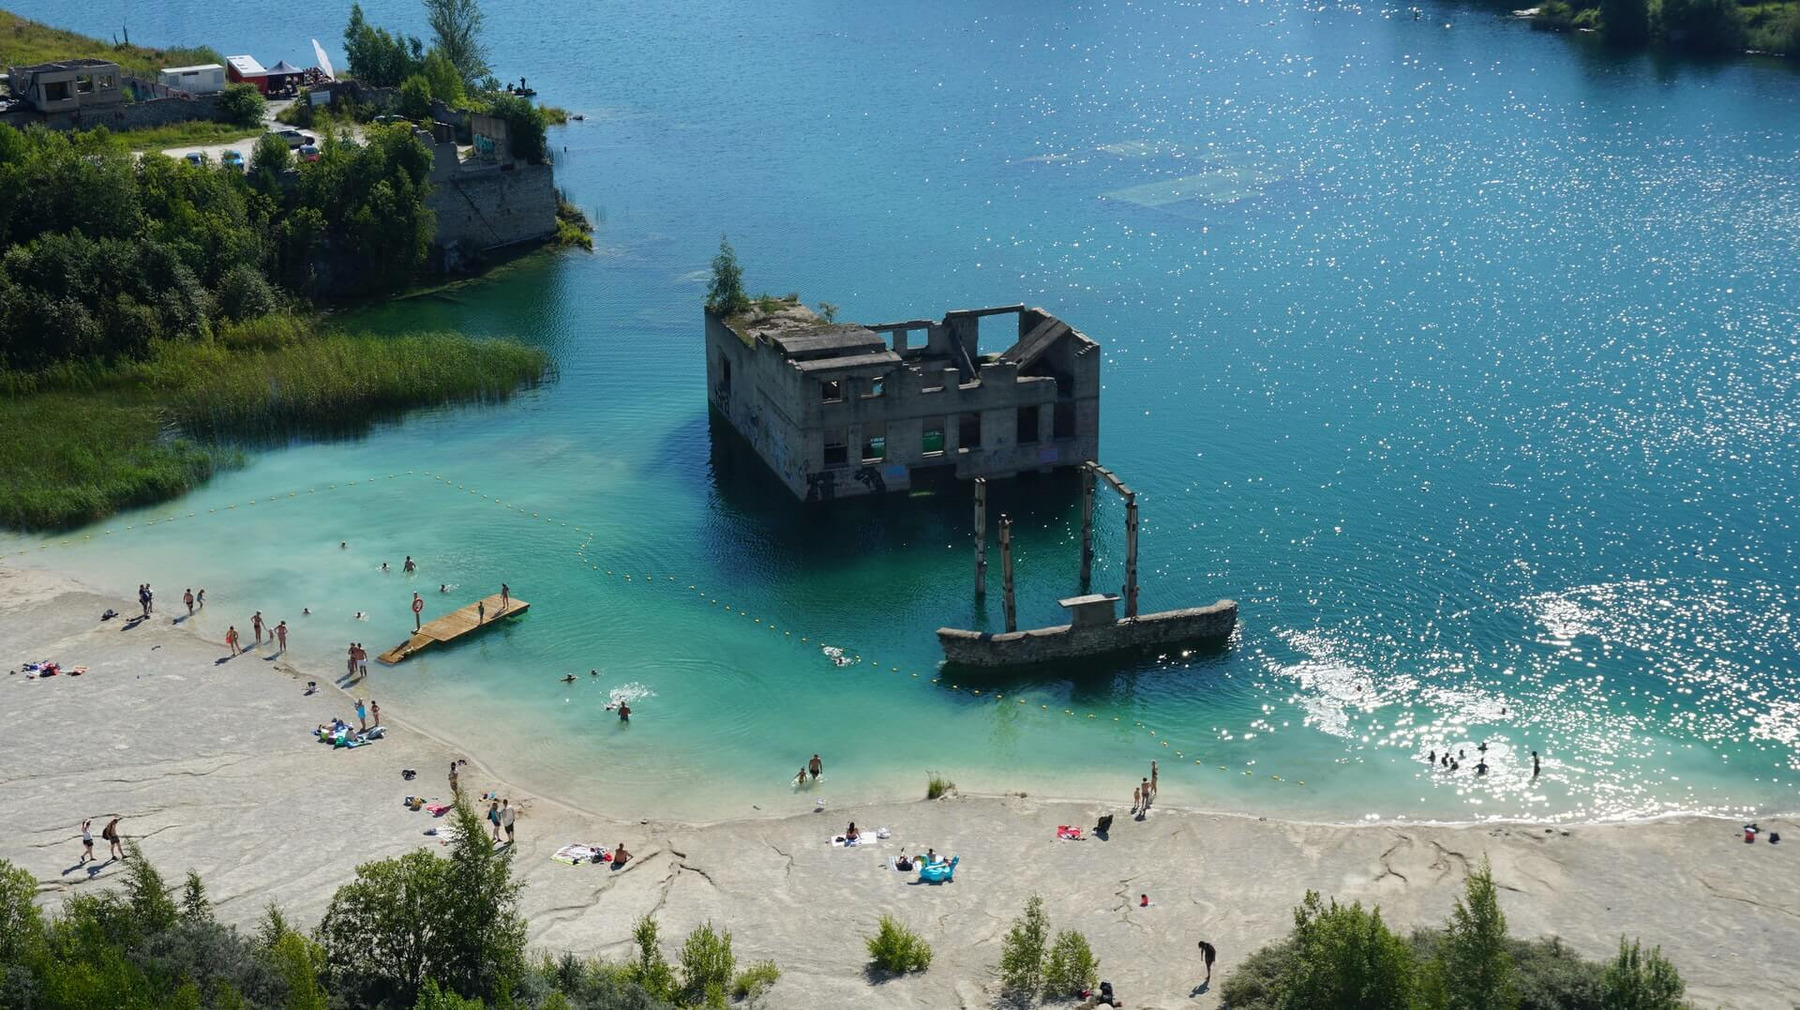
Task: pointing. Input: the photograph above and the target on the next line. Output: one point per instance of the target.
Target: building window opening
(1028, 424)
(932, 442)
(831, 391)
(57, 91)
(725, 376)
(874, 445)
(968, 431)
(877, 387)
(1063, 423)
(84, 84)
(837, 453)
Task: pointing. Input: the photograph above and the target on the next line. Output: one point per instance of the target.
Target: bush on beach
(896, 949)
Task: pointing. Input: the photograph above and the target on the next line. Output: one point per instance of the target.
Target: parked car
(295, 138)
(232, 159)
(308, 152)
(195, 158)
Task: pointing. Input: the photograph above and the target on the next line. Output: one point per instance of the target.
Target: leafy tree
(440, 73)
(1021, 967)
(1639, 981)
(300, 962)
(435, 998)
(152, 910)
(707, 965)
(242, 105)
(650, 971)
(377, 57)
(245, 294)
(1625, 23)
(725, 295)
(380, 933)
(194, 906)
(1346, 959)
(415, 97)
(482, 931)
(271, 154)
(456, 27)
(1071, 967)
(1477, 969)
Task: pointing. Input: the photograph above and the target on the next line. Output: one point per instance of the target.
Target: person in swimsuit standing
(505, 596)
(815, 767)
(281, 635)
(231, 639)
(187, 597)
(1209, 954)
(256, 626)
(87, 842)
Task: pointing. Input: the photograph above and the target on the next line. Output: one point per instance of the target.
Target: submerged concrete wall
(1049, 645)
(490, 208)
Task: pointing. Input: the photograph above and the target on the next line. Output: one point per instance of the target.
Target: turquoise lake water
(1463, 357)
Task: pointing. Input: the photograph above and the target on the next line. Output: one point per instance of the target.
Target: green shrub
(1255, 984)
(242, 105)
(1639, 981)
(415, 98)
(1345, 958)
(650, 971)
(1550, 976)
(725, 295)
(936, 785)
(896, 949)
(244, 293)
(707, 965)
(1475, 963)
(754, 980)
(1071, 967)
(1021, 967)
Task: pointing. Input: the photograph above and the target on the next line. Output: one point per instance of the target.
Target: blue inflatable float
(939, 873)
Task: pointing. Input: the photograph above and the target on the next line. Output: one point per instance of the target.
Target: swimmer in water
(384, 566)
(624, 712)
(343, 544)
(593, 673)
(443, 587)
(360, 616)
(305, 611)
(800, 779)
(569, 679)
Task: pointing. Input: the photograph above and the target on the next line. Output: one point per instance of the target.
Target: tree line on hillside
(108, 254)
(1700, 27)
(421, 930)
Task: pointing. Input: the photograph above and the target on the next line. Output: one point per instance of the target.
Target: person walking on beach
(1149, 792)
(87, 842)
(231, 639)
(494, 817)
(144, 598)
(507, 814)
(1137, 798)
(149, 600)
(281, 635)
(256, 626)
(454, 787)
(115, 847)
(1209, 954)
(418, 605)
(200, 598)
(362, 715)
(505, 597)
(187, 597)
(815, 767)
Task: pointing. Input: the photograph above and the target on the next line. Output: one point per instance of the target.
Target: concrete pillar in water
(980, 537)
(1087, 524)
(1006, 573)
(1131, 531)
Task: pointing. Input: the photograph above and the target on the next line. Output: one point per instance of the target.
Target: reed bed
(83, 441)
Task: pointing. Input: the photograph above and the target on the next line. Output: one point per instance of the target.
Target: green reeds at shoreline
(86, 440)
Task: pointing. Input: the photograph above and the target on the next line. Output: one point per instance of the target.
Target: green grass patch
(24, 42)
(194, 134)
(937, 786)
(553, 115)
(84, 441)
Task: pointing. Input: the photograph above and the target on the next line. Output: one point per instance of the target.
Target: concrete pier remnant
(980, 537)
(1092, 631)
(839, 409)
(1006, 573)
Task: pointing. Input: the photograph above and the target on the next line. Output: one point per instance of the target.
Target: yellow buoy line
(927, 678)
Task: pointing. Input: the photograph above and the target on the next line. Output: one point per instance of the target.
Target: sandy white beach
(213, 766)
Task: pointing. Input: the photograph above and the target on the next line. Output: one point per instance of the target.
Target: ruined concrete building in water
(845, 409)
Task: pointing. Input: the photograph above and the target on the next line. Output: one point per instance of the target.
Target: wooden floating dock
(454, 625)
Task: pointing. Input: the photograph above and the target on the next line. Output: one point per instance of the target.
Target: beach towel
(438, 809)
(1067, 833)
(840, 842)
(577, 854)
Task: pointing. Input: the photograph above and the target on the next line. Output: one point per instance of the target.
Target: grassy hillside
(24, 42)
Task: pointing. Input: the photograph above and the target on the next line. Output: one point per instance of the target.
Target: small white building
(204, 79)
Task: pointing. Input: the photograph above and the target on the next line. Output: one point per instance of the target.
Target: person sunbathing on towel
(851, 834)
(620, 855)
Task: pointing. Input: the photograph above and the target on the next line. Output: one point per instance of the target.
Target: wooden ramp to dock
(453, 626)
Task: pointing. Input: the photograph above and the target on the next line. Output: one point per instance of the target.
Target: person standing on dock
(480, 611)
(505, 597)
(418, 605)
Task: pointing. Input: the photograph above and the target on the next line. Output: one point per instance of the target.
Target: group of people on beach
(277, 634)
(1143, 793)
(356, 665)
